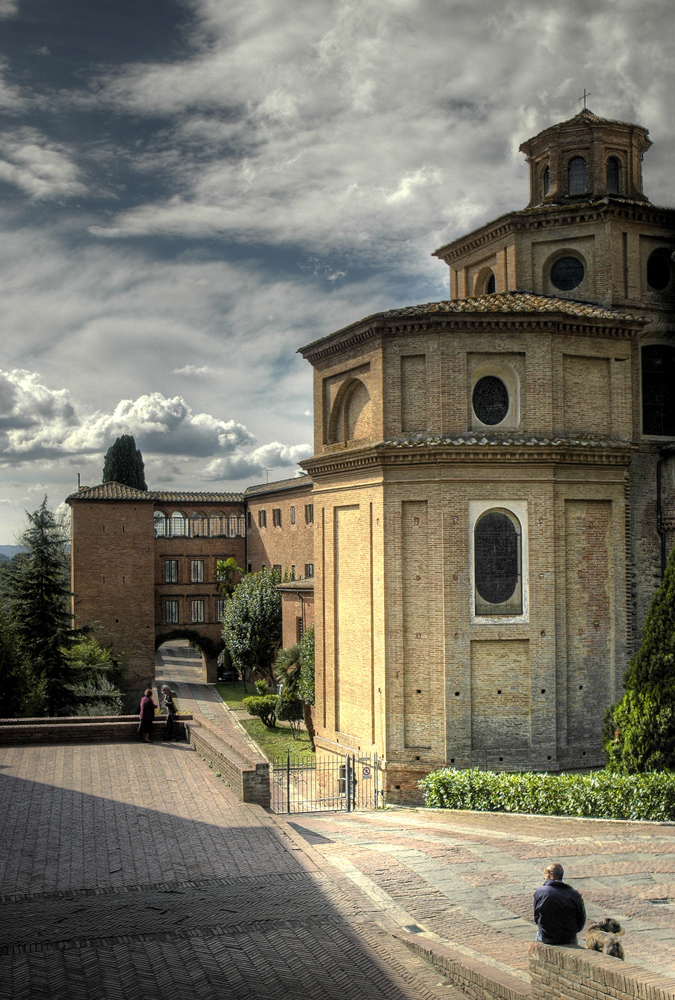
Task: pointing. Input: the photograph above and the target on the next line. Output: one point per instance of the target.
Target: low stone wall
(247, 775)
(79, 729)
(578, 974)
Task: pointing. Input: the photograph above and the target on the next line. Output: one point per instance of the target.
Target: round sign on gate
(365, 773)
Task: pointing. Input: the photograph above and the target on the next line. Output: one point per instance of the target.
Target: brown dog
(604, 937)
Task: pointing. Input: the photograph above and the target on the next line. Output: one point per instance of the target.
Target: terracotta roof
(512, 302)
(281, 484)
(587, 115)
(116, 491)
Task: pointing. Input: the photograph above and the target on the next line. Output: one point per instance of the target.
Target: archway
(183, 654)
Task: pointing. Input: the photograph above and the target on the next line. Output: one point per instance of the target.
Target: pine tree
(639, 732)
(123, 464)
(38, 591)
(21, 692)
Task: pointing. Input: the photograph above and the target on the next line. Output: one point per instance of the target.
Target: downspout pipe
(666, 452)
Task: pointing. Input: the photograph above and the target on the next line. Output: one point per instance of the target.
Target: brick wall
(579, 974)
(286, 544)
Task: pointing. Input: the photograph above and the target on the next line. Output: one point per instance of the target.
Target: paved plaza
(130, 870)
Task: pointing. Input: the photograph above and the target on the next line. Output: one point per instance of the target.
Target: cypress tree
(123, 464)
(639, 732)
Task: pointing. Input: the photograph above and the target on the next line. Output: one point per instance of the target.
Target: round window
(490, 400)
(659, 269)
(567, 273)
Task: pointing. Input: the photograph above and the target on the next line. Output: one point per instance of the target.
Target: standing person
(146, 715)
(559, 910)
(172, 728)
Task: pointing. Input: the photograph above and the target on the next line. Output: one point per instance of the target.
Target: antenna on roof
(584, 96)
(268, 474)
(78, 481)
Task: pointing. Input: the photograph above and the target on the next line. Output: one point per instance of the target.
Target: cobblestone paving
(470, 877)
(130, 870)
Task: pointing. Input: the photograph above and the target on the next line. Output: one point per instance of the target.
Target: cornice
(469, 449)
(379, 328)
(546, 216)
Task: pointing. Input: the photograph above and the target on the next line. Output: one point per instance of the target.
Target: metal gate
(327, 785)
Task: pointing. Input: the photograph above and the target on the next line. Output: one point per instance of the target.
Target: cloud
(256, 463)
(41, 168)
(195, 371)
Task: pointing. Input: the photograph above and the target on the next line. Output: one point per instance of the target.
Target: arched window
(199, 526)
(546, 181)
(242, 526)
(658, 397)
(613, 176)
(498, 564)
(577, 175)
(178, 524)
(231, 526)
(215, 526)
(659, 269)
(161, 525)
(491, 284)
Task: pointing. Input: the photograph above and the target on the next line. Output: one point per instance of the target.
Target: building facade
(144, 570)
(493, 479)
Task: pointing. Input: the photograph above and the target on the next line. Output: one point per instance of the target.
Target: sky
(190, 190)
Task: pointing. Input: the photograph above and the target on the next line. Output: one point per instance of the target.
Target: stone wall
(579, 974)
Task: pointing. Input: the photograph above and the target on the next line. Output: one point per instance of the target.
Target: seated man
(559, 910)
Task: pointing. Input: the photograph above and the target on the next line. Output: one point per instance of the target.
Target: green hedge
(602, 794)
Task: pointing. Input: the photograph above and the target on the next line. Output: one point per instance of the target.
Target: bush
(290, 710)
(264, 706)
(602, 794)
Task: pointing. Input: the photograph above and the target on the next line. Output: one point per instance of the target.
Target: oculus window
(490, 400)
(658, 398)
(498, 578)
(567, 273)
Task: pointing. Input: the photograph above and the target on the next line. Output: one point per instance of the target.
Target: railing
(326, 785)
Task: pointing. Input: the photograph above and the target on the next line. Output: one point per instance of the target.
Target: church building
(494, 480)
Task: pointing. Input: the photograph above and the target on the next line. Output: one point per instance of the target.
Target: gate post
(288, 780)
(348, 783)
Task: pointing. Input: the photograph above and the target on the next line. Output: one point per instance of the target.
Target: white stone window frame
(518, 508)
(171, 571)
(509, 376)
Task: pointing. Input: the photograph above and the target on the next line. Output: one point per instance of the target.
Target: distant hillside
(7, 551)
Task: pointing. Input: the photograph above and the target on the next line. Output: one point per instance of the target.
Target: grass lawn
(233, 694)
(275, 742)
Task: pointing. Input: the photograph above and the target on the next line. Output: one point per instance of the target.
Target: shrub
(290, 710)
(264, 706)
(602, 794)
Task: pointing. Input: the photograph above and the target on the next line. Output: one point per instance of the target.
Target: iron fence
(326, 785)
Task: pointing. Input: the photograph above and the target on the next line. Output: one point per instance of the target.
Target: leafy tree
(21, 692)
(252, 624)
(38, 591)
(226, 569)
(123, 464)
(639, 732)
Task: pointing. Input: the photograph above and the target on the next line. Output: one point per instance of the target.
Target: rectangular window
(309, 570)
(262, 518)
(242, 526)
(249, 518)
(277, 568)
(220, 608)
(250, 567)
(171, 571)
(299, 629)
(309, 513)
(276, 517)
(197, 575)
(292, 515)
(171, 612)
(292, 572)
(197, 611)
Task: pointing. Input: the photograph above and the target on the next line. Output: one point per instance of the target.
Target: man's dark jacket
(559, 912)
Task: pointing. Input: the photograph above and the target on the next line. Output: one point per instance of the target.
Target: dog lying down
(604, 936)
